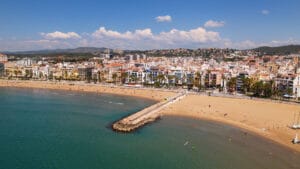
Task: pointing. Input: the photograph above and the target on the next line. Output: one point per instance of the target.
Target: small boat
(186, 143)
(296, 140)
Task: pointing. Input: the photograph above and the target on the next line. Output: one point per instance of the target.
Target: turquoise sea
(50, 129)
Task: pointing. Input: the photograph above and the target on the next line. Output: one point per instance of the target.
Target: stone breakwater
(145, 116)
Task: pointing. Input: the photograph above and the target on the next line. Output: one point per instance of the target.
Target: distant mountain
(280, 50)
(61, 51)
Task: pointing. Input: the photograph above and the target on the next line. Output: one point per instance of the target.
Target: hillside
(80, 50)
(280, 50)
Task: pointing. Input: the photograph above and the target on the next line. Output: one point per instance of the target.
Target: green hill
(280, 50)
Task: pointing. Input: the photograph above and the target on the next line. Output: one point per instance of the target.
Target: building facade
(2, 69)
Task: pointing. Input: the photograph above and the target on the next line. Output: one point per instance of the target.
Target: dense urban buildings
(222, 70)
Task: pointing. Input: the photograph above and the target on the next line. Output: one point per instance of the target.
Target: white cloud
(61, 35)
(137, 34)
(265, 12)
(139, 39)
(173, 37)
(198, 35)
(214, 24)
(136, 39)
(166, 18)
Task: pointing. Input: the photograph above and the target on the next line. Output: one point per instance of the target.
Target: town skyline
(150, 84)
(161, 25)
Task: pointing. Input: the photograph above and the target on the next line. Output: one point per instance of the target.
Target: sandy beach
(153, 94)
(265, 118)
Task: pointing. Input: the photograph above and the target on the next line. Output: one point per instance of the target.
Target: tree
(257, 89)
(247, 82)
(101, 76)
(124, 75)
(176, 80)
(190, 82)
(95, 78)
(114, 76)
(231, 85)
(197, 81)
(170, 78)
(26, 73)
(183, 79)
(289, 91)
(223, 83)
(267, 90)
(207, 79)
(133, 78)
(151, 77)
(16, 73)
(160, 79)
(145, 78)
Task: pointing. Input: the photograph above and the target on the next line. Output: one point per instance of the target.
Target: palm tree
(183, 80)
(151, 77)
(197, 81)
(257, 88)
(133, 78)
(160, 78)
(207, 79)
(145, 78)
(223, 82)
(267, 89)
(28, 73)
(94, 78)
(232, 84)
(170, 78)
(16, 72)
(176, 80)
(246, 84)
(124, 75)
(114, 77)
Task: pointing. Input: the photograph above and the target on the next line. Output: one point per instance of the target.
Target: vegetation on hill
(280, 50)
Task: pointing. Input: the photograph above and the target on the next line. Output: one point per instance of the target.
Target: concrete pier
(145, 116)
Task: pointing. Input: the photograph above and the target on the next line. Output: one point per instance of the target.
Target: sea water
(51, 129)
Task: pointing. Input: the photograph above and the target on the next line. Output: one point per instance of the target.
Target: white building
(296, 86)
(25, 62)
(3, 58)
(2, 69)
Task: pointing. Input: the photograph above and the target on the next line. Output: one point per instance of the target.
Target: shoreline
(239, 113)
(152, 94)
(263, 118)
(245, 129)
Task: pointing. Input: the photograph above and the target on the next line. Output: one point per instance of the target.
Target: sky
(147, 24)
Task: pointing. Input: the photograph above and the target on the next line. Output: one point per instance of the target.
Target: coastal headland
(265, 118)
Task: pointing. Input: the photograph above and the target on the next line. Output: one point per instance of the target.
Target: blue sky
(145, 24)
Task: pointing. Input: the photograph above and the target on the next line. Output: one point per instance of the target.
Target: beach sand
(154, 94)
(266, 118)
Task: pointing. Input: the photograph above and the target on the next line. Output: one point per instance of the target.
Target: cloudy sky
(147, 24)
